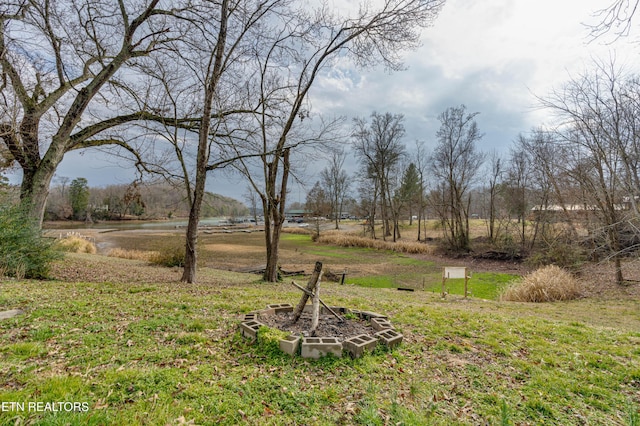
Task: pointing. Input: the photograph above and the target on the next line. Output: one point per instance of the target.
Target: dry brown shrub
(76, 244)
(546, 284)
(132, 254)
(343, 239)
(297, 231)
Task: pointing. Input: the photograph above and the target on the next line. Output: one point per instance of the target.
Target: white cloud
(494, 56)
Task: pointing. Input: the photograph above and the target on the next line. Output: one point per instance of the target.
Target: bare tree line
(572, 186)
(198, 87)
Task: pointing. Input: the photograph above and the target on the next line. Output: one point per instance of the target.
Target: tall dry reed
(344, 239)
(546, 284)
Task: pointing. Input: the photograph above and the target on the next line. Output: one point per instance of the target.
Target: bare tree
(368, 192)
(496, 172)
(217, 59)
(517, 186)
(455, 163)
(336, 182)
(550, 184)
(318, 204)
(378, 145)
(252, 198)
(598, 131)
(421, 165)
(617, 18)
(300, 46)
(203, 92)
(58, 59)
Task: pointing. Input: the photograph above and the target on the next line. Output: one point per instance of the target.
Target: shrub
(76, 244)
(169, 256)
(566, 255)
(558, 247)
(546, 284)
(269, 341)
(24, 252)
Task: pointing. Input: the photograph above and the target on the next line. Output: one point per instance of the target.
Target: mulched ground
(328, 325)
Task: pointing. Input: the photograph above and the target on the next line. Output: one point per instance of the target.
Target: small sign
(454, 272)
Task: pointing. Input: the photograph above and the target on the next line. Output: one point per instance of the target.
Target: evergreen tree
(79, 198)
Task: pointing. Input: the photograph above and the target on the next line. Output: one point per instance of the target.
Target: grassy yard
(140, 348)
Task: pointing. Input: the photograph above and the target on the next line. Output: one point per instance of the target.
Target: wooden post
(344, 275)
(315, 313)
(466, 282)
(311, 284)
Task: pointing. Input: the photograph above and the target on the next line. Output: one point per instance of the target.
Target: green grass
(171, 353)
(483, 285)
(401, 270)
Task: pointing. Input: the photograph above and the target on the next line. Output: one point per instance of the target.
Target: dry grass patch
(546, 284)
(132, 254)
(343, 239)
(234, 249)
(298, 231)
(76, 244)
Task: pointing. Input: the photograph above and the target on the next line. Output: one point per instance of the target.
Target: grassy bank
(144, 349)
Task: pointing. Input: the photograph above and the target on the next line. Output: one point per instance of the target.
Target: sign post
(455, 272)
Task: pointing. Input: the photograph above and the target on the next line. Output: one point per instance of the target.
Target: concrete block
(281, 307)
(250, 329)
(380, 324)
(367, 315)
(389, 337)
(316, 347)
(265, 312)
(290, 344)
(356, 346)
(250, 317)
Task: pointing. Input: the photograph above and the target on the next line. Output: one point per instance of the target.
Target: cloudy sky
(494, 56)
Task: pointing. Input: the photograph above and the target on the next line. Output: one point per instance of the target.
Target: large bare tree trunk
(271, 270)
(34, 192)
(274, 217)
(211, 86)
(191, 237)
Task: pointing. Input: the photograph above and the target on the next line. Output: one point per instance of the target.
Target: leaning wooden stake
(315, 312)
(310, 294)
(311, 285)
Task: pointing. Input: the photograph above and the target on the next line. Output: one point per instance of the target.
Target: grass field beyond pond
(140, 348)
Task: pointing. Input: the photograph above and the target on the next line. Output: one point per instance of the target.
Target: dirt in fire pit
(328, 325)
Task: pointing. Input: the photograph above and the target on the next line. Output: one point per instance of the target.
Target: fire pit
(315, 332)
